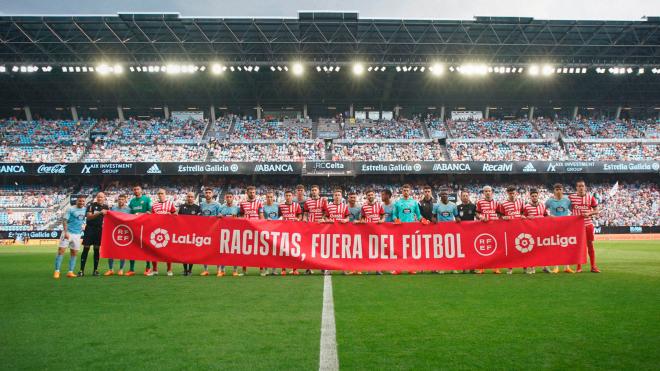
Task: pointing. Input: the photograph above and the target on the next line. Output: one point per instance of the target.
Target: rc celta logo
(524, 243)
(159, 238)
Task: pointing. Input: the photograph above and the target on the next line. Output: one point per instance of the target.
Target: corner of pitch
(432, 246)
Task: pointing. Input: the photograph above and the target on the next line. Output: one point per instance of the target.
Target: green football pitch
(453, 321)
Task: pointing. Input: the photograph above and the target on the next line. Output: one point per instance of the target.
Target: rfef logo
(122, 235)
(485, 244)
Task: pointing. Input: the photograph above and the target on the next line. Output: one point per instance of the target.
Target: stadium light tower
(358, 69)
(298, 69)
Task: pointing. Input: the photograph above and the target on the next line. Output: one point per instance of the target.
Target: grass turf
(585, 321)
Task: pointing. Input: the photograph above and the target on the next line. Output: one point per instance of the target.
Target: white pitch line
(328, 360)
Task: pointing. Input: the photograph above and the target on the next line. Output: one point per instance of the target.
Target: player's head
(534, 195)
(558, 190)
(314, 190)
(352, 197)
(511, 192)
(229, 197)
(100, 197)
(581, 187)
(208, 194)
(300, 190)
(488, 192)
(444, 195)
(465, 196)
(80, 201)
(121, 200)
(137, 190)
(371, 195)
(428, 192)
(190, 198)
(251, 192)
(270, 197)
(162, 195)
(288, 197)
(405, 190)
(385, 195)
(337, 195)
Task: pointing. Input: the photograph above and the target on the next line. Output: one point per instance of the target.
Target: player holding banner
(535, 209)
(120, 207)
(586, 205)
(314, 209)
(559, 205)
(72, 227)
(251, 209)
(210, 207)
(271, 212)
(372, 212)
(290, 211)
(406, 210)
(163, 206)
(511, 209)
(487, 210)
(336, 211)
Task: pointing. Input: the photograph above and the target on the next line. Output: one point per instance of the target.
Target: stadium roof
(339, 37)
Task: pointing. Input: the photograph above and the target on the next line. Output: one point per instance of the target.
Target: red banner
(411, 246)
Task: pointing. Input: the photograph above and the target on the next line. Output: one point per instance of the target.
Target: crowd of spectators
(633, 204)
(384, 129)
(600, 129)
(31, 197)
(41, 153)
(109, 152)
(246, 130)
(505, 151)
(44, 131)
(154, 131)
(264, 152)
(619, 151)
(486, 129)
(389, 152)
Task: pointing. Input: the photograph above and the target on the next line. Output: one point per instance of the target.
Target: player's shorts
(72, 243)
(589, 229)
(92, 237)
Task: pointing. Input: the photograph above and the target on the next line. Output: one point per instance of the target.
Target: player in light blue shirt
(354, 209)
(120, 207)
(388, 205)
(228, 210)
(558, 204)
(72, 223)
(445, 210)
(271, 209)
(406, 209)
(209, 206)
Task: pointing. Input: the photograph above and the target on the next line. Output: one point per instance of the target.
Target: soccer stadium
(129, 139)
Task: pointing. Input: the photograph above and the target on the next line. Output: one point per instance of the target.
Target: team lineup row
(317, 209)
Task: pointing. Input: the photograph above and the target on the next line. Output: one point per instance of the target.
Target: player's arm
(299, 212)
(346, 218)
(395, 213)
(455, 213)
(89, 215)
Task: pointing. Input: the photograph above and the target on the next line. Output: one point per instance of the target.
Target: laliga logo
(159, 238)
(524, 243)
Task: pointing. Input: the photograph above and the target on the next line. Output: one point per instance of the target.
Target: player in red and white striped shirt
(586, 205)
(372, 212)
(336, 211)
(290, 211)
(314, 209)
(487, 210)
(251, 209)
(162, 206)
(535, 209)
(511, 209)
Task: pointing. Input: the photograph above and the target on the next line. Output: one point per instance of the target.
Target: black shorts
(92, 237)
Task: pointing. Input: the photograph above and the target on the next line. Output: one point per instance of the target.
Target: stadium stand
(110, 152)
(431, 151)
(504, 151)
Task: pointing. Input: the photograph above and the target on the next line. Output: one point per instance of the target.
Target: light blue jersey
(561, 207)
(445, 212)
(75, 218)
(354, 213)
(229, 210)
(388, 211)
(212, 208)
(272, 212)
(125, 209)
(406, 210)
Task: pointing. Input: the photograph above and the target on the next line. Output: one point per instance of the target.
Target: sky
(410, 9)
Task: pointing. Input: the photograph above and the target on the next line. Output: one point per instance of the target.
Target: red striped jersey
(251, 209)
(373, 212)
(290, 211)
(166, 207)
(533, 211)
(336, 211)
(488, 209)
(512, 209)
(583, 204)
(315, 208)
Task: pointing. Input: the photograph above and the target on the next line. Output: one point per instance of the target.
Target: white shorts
(73, 243)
